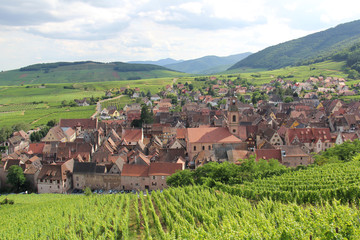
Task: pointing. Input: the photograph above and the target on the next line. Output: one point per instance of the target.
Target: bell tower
(233, 117)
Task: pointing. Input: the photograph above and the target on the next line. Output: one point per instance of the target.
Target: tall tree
(16, 177)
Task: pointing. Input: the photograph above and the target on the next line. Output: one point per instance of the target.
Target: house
(16, 143)
(82, 102)
(36, 149)
(155, 97)
(153, 177)
(79, 125)
(313, 139)
(55, 134)
(267, 154)
(202, 139)
(135, 177)
(114, 113)
(95, 176)
(158, 173)
(293, 156)
(55, 178)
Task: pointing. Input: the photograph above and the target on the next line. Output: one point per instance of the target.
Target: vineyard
(176, 213)
(339, 181)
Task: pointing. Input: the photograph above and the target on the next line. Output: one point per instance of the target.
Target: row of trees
(227, 173)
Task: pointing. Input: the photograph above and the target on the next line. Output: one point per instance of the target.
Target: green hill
(322, 43)
(207, 64)
(75, 72)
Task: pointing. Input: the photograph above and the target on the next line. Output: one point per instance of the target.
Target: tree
(51, 123)
(146, 116)
(148, 94)
(191, 87)
(16, 177)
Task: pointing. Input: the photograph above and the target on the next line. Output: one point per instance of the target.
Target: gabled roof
(132, 135)
(36, 148)
(268, 154)
(134, 170)
(309, 135)
(164, 169)
(83, 123)
(211, 135)
(51, 172)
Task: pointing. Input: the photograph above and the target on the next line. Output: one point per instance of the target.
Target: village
(118, 151)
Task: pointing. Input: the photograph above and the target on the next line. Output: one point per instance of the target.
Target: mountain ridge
(301, 49)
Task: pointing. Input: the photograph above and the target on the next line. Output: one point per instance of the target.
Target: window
(162, 177)
(234, 118)
(234, 130)
(203, 147)
(209, 147)
(58, 181)
(77, 178)
(194, 148)
(153, 177)
(50, 181)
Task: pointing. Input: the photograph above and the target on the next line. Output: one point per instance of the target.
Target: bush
(7, 201)
(87, 191)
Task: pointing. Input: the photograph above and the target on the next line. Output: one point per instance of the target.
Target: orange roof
(36, 148)
(164, 168)
(181, 133)
(132, 135)
(133, 170)
(211, 135)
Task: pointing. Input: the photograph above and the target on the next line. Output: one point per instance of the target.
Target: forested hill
(207, 64)
(292, 52)
(85, 71)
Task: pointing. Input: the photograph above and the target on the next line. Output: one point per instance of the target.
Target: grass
(35, 105)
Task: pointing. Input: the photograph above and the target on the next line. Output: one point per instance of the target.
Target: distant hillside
(207, 64)
(73, 72)
(161, 62)
(292, 52)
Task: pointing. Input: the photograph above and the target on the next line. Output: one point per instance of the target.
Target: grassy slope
(308, 47)
(89, 72)
(17, 101)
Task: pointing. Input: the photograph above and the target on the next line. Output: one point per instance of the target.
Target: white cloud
(119, 30)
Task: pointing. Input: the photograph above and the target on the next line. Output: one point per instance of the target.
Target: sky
(39, 31)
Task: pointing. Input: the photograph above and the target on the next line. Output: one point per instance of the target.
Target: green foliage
(227, 173)
(38, 135)
(175, 213)
(7, 201)
(313, 48)
(146, 115)
(16, 177)
(87, 191)
(314, 184)
(342, 152)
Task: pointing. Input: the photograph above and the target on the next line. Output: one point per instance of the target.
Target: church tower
(233, 117)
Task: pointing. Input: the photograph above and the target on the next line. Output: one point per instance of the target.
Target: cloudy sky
(35, 31)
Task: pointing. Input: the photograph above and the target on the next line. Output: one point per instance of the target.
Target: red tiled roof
(181, 133)
(164, 168)
(211, 135)
(308, 135)
(36, 148)
(268, 154)
(132, 135)
(133, 170)
(84, 123)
